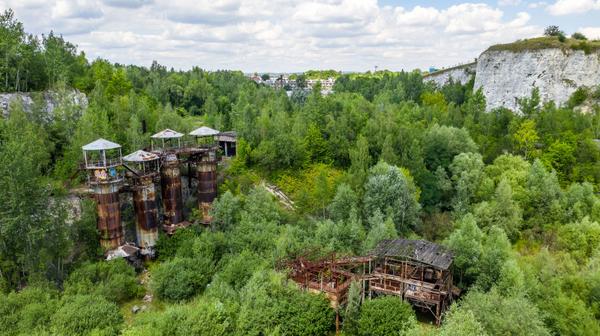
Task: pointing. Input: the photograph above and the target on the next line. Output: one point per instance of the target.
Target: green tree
(352, 309)
(181, 278)
(466, 243)
(391, 191)
(380, 229)
(343, 202)
(387, 315)
(361, 161)
(525, 140)
(85, 315)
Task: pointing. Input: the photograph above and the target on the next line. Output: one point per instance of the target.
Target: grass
(547, 42)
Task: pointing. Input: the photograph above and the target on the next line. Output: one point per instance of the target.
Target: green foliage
(27, 311)
(115, 281)
(180, 279)
(269, 305)
(499, 315)
(86, 315)
(352, 309)
(466, 243)
(225, 211)
(460, 322)
(392, 192)
(200, 317)
(388, 315)
(578, 36)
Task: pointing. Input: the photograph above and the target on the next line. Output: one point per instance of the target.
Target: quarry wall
(462, 73)
(504, 75)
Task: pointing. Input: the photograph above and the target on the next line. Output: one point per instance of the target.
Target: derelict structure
(153, 179)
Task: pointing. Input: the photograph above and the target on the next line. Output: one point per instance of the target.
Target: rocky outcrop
(462, 73)
(47, 100)
(507, 75)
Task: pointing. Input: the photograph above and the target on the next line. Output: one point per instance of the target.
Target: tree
(501, 211)
(380, 229)
(225, 211)
(553, 31)
(461, 322)
(360, 162)
(501, 315)
(466, 243)
(525, 139)
(578, 36)
(387, 315)
(442, 143)
(180, 279)
(391, 191)
(352, 309)
(343, 202)
(467, 175)
(86, 314)
(496, 250)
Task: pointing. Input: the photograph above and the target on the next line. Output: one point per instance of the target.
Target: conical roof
(100, 144)
(204, 131)
(140, 156)
(167, 134)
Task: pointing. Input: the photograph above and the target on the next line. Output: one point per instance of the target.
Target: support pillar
(146, 212)
(109, 215)
(171, 190)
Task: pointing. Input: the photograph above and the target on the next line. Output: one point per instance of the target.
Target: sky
(293, 35)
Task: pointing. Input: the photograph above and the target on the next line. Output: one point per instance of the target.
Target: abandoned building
(144, 172)
(418, 271)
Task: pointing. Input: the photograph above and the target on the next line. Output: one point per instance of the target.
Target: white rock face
(462, 74)
(50, 100)
(505, 76)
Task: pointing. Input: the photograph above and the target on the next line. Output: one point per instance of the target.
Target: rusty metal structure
(170, 181)
(102, 161)
(206, 169)
(144, 170)
(417, 271)
(144, 167)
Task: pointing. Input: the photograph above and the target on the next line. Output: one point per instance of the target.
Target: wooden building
(416, 270)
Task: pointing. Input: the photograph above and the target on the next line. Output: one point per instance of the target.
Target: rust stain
(171, 190)
(146, 212)
(109, 215)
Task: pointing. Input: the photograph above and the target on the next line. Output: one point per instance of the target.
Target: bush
(114, 280)
(578, 97)
(552, 31)
(27, 311)
(388, 315)
(578, 36)
(86, 314)
(181, 278)
(204, 317)
(562, 37)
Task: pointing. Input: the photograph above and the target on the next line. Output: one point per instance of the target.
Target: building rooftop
(167, 134)
(140, 156)
(100, 144)
(417, 250)
(204, 131)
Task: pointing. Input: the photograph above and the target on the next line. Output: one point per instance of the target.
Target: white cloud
(565, 7)
(592, 33)
(127, 3)
(275, 35)
(539, 4)
(509, 2)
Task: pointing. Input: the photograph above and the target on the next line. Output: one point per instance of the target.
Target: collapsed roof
(418, 250)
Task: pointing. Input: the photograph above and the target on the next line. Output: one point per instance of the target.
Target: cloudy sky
(294, 35)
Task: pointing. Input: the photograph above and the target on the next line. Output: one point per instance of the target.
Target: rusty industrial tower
(102, 159)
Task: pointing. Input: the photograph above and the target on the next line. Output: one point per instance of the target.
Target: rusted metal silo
(206, 173)
(171, 189)
(144, 167)
(102, 162)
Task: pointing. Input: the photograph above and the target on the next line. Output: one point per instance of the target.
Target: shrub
(181, 278)
(387, 315)
(115, 280)
(578, 97)
(85, 314)
(552, 31)
(578, 36)
(27, 311)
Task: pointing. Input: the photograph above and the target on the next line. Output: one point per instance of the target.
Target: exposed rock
(505, 76)
(147, 298)
(135, 309)
(462, 73)
(49, 100)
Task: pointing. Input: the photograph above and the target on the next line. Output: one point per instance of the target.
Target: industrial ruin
(418, 271)
(170, 159)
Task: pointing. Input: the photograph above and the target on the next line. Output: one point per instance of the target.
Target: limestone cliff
(47, 100)
(462, 73)
(506, 74)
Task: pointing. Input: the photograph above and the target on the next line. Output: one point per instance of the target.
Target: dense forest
(512, 193)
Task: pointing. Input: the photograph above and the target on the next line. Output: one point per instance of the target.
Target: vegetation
(514, 195)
